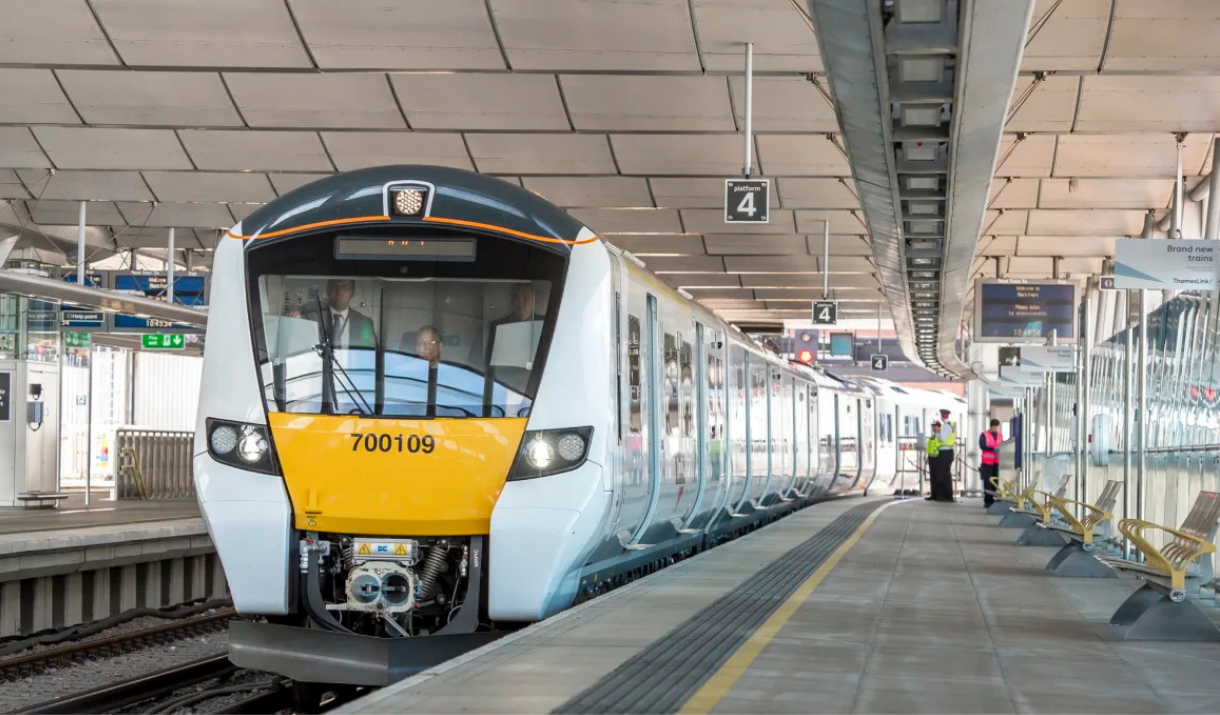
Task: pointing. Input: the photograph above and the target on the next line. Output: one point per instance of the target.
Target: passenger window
(687, 382)
(635, 421)
(671, 385)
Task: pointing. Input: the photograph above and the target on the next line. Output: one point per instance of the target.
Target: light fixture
(919, 151)
(919, 10)
(921, 69)
(920, 115)
(923, 183)
(408, 202)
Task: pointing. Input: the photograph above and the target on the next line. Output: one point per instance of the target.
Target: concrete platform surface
(933, 610)
(72, 514)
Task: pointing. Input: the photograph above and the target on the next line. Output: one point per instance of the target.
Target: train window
(687, 385)
(671, 385)
(635, 421)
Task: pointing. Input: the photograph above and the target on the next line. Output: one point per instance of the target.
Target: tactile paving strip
(663, 676)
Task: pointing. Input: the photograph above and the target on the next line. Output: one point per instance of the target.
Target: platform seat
(1037, 508)
(1006, 494)
(1083, 534)
(1165, 607)
(41, 500)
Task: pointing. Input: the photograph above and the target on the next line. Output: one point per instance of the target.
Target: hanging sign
(825, 312)
(1048, 358)
(1166, 264)
(1011, 376)
(746, 200)
(1015, 311)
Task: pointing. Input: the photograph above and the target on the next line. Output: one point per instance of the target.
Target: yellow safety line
(715, 688)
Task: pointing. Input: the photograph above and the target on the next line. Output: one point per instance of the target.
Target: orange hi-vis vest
(993, 443)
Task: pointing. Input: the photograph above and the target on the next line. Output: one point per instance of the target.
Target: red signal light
(805, 356)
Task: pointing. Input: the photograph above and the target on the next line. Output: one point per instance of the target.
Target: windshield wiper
(328, 354)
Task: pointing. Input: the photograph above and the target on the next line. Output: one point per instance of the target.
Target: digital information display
(414, 249)
(1014, 312)
(189, 289)
(842, 345)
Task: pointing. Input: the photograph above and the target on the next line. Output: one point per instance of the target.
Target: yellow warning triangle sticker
(364, 549)
(400, 550)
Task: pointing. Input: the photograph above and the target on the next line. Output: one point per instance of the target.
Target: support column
(978, 397)
(1086, 378)
(1213, 200)
(80, 245)
(169, 267)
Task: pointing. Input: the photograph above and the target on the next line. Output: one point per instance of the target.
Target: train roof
(451, 197)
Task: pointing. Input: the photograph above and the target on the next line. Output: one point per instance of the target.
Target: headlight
(240, 445)
(546, 452)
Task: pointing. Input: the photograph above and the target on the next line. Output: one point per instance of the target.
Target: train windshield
(423, 337)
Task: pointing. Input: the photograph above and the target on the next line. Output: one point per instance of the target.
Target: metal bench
(41, 500)
(1006, 494)
(1076, 558)
(1018, 515)
(1164, 608)
(1040, 510)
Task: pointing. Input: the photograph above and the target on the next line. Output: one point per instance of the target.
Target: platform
(932, 609)
(73, 514)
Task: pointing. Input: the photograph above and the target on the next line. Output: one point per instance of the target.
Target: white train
(434, 403)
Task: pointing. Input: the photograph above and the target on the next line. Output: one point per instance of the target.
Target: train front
(375, 346)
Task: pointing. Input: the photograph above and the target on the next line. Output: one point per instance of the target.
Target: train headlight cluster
(240, 445)
(408, 202)
(545, 452)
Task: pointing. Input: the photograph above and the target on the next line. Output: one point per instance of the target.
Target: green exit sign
(164, 341)
(78, 340)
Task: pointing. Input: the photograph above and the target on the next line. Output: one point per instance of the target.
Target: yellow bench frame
(1171, 560)
(1085, 526)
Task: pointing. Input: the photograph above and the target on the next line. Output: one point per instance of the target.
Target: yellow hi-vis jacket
(934, 445)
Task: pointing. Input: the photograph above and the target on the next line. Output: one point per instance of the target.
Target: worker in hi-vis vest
(989, 460)
(942, 477)
(933, 451)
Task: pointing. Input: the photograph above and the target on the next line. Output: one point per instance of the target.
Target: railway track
(24, 666)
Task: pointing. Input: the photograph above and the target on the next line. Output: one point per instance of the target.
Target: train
(435, 405)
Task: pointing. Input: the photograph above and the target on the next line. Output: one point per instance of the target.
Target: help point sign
(1166, 264)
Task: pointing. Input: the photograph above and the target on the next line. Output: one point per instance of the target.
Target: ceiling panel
(89, 185)
(777, 284)
(685, 264)
(18, 149)
(592, 191)
(1068, 222)
(799, 193)
(610, 221)
(481, 101)
(334, 101)
(702, 281)
(733, 303)
(1010, 193)
(11, 186)
(849, 264)
(840, 245)
(399, 34)
(32, 96)
(771, 264)
(225, 150)
(1143, 156)
(209, 186)
(178, 214)
(1072, 37)
(284, 183)
(597, 35)
(1032, 156)
(708, 221)
(782, 34)
(541, 153)
(755, 245)
(1166, 35)
(241, 211)
(138, 237)
(66, 213)
(800, 155)
(997, 246)
(61, 32)
(175, 99)
(784, 104)
(357, 150)
(1045, 266)
(1006, 222)
(710, 295)
(676, 155)
(1106, 193)
(1065, 246)
(648, 103)
(813, 221)
(1150, 104)
(1050, 107)
(684, 244)
(94, 148)
(188, 33)
(690, 192)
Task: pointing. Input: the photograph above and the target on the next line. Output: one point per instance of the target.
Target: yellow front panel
(390, 484)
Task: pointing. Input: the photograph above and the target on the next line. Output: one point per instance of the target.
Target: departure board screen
(402, 249)
(1014, 312)
(189, 289)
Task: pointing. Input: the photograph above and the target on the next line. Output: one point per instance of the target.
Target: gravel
(66, 679)
(134, 625)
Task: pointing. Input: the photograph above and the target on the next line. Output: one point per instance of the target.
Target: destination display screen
(414, 249)
(189, 289)
(1025, 312)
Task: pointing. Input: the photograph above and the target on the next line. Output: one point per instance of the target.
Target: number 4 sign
(746, 200)
(825, 312)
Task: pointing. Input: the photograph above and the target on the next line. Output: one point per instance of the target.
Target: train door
(800, 432)
(785, 465)
(760, 431)
(710, 396)
(678, 486)
(738, 428)
(826, 406)
(848, 433)
(867, 428)
(885, 466)
(640, 477)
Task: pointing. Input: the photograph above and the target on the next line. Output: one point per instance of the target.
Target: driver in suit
(346, 326)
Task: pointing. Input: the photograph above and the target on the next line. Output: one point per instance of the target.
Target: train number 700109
(372, 442)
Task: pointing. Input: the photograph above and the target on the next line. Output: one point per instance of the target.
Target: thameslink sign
(1166, 264)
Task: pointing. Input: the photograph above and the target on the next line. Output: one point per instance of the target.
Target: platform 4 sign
(746, 200)
(825, 312)
(880, 362)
